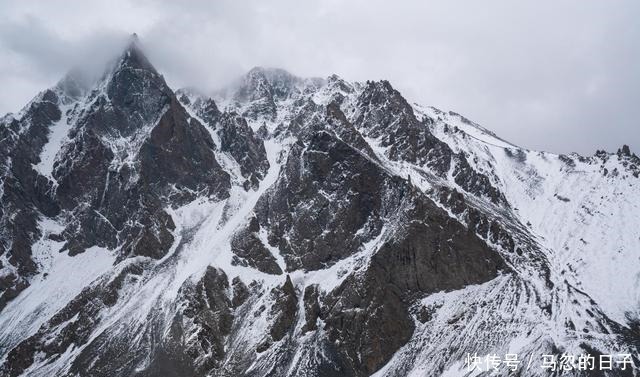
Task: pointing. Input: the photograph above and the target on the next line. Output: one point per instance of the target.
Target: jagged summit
(273, 74)
(134, 57)
(625, 151)
(77, 83)
(274, 83)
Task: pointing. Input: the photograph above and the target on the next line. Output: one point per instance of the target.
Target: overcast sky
(553, 75)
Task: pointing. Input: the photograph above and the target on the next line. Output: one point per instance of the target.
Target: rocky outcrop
(237, 139)
(337, 121)
(178, 144)
(203, 324)
(283, 311)
(282, 314)
(204, 107)
(312, 309)
(25, 195)
(426, 252)
(382, 113)
(328, 200)
(250, 251)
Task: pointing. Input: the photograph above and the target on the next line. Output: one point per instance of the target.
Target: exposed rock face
(312, 309)
(24, 193)
(177, 145)
(249, 250)
(237, 139)
(203, 324)
(369, 321)
(423, 257)
(428, 252)
(204, 107)
(297, 227)
(340, 125)
(283, 310)
(383, 113)
(328, 200)
(130, 150)
(128, 146)
(260, 90)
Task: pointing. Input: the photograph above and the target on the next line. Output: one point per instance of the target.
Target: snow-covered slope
(583, 209)
(300, 227)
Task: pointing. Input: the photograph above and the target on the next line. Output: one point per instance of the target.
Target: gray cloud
(558, 76)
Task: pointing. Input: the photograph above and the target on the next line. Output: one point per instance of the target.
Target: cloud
(47, 54)
(558, 76)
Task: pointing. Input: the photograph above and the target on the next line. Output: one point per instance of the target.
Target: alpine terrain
(285, 226)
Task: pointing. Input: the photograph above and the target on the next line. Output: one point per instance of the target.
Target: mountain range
(287, 226)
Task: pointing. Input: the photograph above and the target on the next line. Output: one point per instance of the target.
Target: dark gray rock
(237, 139)
(367, 315)
(312, 310)
(178, 145)
(283, 311)
(96, 182)
(24, 194)
(368, 322)
(240, 292)
(250, 251)
(339, 123)
(328, 200)
(383, 113)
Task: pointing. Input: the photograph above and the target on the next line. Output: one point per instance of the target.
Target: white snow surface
(56, 138)
(589, 222)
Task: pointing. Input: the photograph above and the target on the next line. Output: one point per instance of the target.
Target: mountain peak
(256, 71)
(133, 41)
(134, 57)
(271, 76)
(74, 84)
(267, 71)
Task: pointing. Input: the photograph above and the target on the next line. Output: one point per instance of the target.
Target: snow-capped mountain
(300, 227)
